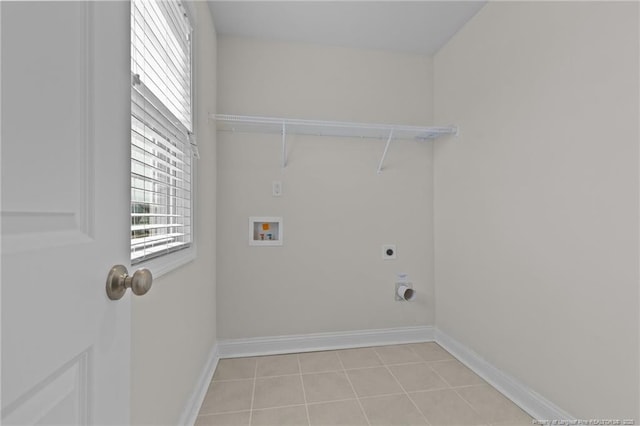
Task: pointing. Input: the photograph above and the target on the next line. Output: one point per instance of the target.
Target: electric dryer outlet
(389, 252)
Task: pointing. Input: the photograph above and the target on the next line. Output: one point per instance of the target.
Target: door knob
(118, 281)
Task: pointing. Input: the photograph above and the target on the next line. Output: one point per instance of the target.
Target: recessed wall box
(265, 231)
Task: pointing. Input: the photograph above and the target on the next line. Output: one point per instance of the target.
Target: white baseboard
(233, 348)
(194, 403)
(533, 403)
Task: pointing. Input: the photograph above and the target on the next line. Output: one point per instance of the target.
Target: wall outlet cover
(276, 188)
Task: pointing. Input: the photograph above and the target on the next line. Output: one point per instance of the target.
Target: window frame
(162, 264)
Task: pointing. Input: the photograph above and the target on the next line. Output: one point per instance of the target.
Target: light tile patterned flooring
(415, 384)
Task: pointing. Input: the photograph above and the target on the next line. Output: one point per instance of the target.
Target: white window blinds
(161, 124)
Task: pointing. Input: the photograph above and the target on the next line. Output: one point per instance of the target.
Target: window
(161, 126)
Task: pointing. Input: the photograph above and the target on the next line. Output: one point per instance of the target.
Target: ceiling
(409, 26)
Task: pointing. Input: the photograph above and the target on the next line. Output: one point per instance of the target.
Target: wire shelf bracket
(284, 145)
(384, 154)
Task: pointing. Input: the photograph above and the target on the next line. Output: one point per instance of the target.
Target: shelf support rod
(384, 154)
(284, 145)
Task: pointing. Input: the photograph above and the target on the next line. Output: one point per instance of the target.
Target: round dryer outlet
(389, 251)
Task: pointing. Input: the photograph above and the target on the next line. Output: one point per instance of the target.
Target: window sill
(162, 265)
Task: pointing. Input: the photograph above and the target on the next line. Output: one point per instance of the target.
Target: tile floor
(415, 384)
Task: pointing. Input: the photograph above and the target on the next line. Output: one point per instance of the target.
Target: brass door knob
(118, 281)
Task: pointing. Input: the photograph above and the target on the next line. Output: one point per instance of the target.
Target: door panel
(65, 198)
(60, 399)
(44, 66)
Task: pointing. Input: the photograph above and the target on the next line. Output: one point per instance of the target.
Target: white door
(65, 202)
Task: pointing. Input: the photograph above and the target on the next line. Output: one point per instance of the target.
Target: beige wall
(536, 202)
(174, 325)
(329, 274)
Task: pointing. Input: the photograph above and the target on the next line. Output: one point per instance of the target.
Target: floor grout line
(246, 379)
(224, 412)
(315, 403)
(323, 371)
(253, 392)
(382, 395)
(304, 393)
(469, 404)
(279, 407)
(383, 364)
(402, 387)
(456, 392)
(278, 375)
(353, 389)
(441, 377)
(331, 401)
